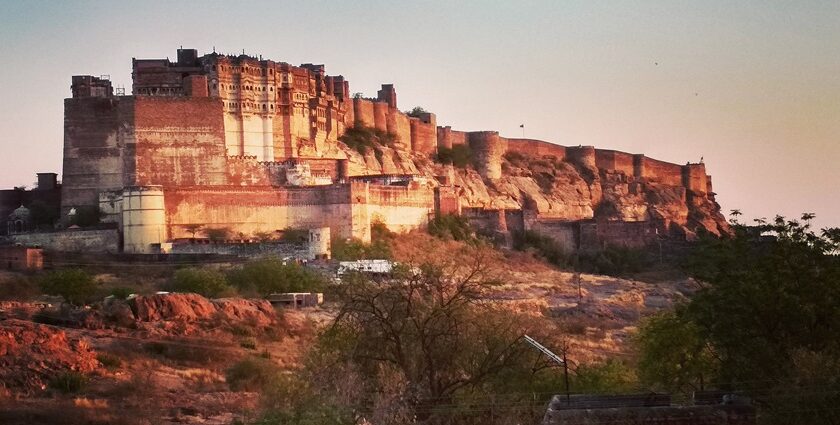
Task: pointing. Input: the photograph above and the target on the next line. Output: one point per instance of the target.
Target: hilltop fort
(253, 146)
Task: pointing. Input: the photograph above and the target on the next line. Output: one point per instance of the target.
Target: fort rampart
(252, 145)
(347, 209)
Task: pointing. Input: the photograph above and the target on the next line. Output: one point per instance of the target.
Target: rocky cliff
(561, 188)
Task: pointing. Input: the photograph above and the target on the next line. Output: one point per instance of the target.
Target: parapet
(90, 86)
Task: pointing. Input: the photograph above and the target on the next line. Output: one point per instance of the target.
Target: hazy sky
(751, 86)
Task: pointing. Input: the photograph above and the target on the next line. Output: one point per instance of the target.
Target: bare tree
(434, 329)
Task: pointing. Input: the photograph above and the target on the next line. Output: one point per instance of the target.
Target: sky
(752, 87)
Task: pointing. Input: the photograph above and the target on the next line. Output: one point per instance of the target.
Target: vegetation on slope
(379, 248)
(767, 323)
(362, 139)
(458, 155)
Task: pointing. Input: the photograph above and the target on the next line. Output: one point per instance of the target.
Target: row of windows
(284, 109)
(244, 69)
(244, 87)
(160, 90)
(250, 105)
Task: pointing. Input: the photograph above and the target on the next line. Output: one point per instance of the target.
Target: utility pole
(554, 357)
(566, 376)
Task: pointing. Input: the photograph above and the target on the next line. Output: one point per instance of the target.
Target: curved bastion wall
(143, 219)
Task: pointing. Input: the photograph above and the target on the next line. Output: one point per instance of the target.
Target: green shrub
(615, 261)
(185, 353)
(451, 227)
(69, 382)
(249, 343)
(379, 247)
(361, 138)
(416, 112)
(207, 282)
(121, 292)
(251, 374)
(109, 361)
(544, 246)
(612, 376)
(218, 234)
(458, 155)
(75, 285)
(271, 275)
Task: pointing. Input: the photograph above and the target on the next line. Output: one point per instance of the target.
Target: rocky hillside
(558, 189)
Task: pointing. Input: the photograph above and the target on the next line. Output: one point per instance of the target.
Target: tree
(379, 248)
(271, 275)
(428, 338)
(452, 227)
(218, 234)
(674, 355)
(416, 112)
(207, 282)
(193, 228)
(768, 311)
(75, 285)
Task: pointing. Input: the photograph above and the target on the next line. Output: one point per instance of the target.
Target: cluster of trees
(255, 278)
(421, 347)
(611, 260)
(379, 248)
(452, 227)
(766, 322)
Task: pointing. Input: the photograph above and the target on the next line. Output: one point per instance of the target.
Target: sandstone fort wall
(96, 132)
(363, 112)
(614, 160)
(179, 141)
(346, 209)
(447, 137)
(96, 240)
(661, 172)
(536, 148)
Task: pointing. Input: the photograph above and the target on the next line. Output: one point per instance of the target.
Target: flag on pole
(521, 125)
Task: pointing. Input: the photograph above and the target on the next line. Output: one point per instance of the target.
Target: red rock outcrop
(195, 308)
(31, 354)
